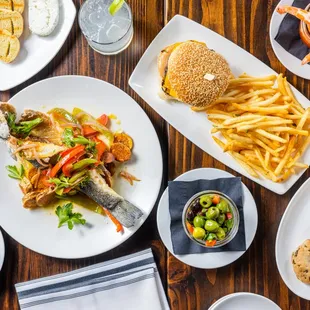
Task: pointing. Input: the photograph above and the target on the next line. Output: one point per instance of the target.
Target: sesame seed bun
(197, 74)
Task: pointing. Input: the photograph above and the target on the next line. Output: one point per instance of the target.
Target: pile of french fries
(265, 128)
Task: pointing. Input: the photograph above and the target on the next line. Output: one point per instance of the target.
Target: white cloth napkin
(130, 282)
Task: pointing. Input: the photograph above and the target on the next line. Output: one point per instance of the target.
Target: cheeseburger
(192, 73)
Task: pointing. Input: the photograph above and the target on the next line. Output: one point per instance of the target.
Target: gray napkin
(288, 34)
(181, 192)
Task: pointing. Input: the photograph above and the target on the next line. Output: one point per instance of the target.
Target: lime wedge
(115, 6)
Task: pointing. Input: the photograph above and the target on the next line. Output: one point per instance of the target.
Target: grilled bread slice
(12, 22)
(18, 5)
(9, 46)
(6, 4)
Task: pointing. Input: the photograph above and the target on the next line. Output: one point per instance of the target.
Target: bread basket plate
(195, 126)
(288, 60)
(292, 232)
(39, 226)
(35, 51)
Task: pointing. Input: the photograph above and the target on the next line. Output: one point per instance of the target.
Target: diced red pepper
(67, 167)
(103, 119)
(211, 242)
(89, 131)
(101, 147)
(229, 215)
(190, 228)
(216, 199)
(65, 158)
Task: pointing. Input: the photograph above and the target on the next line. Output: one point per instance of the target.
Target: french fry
(265, 128)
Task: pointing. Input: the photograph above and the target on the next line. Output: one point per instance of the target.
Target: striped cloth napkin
(129, 282)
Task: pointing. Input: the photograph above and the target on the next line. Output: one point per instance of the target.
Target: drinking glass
(105, 33)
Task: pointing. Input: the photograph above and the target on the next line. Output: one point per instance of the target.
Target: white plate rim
(156, 190)
(221, 173)
(224, 298)
(278, 188)
(2, 250)
(39, 68)
(287, 210)
(291, 64)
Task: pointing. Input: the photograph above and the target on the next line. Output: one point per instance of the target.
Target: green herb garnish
(70, 141)
(15, 172)
(23, 128)
(65, 215)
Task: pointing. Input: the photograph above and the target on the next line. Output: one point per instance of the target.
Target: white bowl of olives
(211, 219)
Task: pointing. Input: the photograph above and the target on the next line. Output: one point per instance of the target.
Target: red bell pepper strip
(65, 158)
(67, 190)
(103, 119)
(211, 242)
(66, 152)
(67, 167)
(88, 130)
(229, 215)
(46, 177)
(101, 147)
(118, 225)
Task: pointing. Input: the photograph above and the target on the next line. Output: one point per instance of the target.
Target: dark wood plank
(246, 23)
(77, 58)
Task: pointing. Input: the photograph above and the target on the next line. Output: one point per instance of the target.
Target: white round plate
(292, 232)
(207, 260)
(289, 61)
(37, 229)
(2, 250)
(244, 301)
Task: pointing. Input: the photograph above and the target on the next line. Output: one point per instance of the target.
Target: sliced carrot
(216, 199)
(100, 147)
(103, 119)
(190, 228)
(88, 130)
(119, 226)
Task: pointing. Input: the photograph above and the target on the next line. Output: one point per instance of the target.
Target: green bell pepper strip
(84, 163)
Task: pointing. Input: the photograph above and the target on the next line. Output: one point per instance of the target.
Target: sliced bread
(9, 46)
(6, 4)
(18, 5)
(12, 22)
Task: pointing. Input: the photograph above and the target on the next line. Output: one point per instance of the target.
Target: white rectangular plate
(35, 51)
(195, 126)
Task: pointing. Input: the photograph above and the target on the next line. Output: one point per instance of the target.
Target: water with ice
(106, 33)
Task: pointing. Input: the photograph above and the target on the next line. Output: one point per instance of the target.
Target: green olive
(212, 213)
(211, 236)
(220, 233)
(205, 201)
(229, 224)
(211, 225)
(199, 221)
(223, 206)
(199, 233)
(221, 219)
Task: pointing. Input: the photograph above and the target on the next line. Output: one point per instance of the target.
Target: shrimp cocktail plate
(76, 173)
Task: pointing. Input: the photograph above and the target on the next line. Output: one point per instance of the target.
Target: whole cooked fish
(98, 190)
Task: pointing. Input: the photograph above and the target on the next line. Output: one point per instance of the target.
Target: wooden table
(244, 22)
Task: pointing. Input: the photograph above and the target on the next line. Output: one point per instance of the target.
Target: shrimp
(301, 14)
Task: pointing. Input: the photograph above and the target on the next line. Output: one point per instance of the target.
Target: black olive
(190, 215)
(196, 207)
